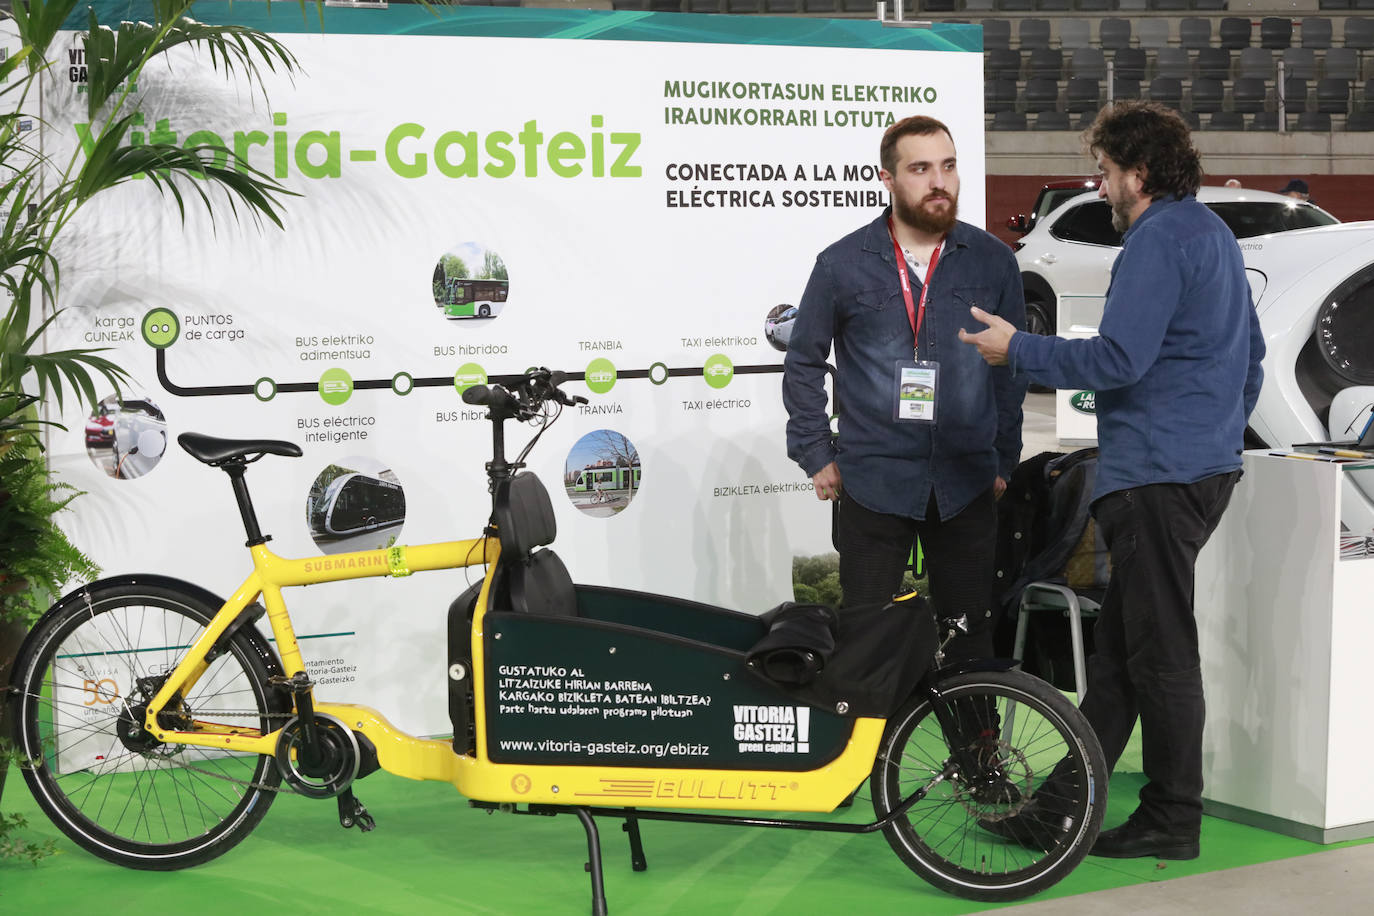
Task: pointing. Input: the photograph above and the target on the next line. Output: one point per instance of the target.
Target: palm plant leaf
(111, 161)
(115, 56)
(38, 22)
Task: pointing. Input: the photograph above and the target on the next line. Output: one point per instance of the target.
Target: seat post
(236, 468)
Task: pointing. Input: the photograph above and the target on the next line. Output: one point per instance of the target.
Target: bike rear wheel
(1014, 730)
(82, 679)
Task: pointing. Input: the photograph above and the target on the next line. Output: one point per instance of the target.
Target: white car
(1071, 250)
(777, 328)
(1314, 292)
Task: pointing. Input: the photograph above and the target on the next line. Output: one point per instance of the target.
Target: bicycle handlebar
(523, 402)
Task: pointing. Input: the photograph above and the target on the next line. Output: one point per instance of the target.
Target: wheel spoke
(1012, 731)
(108, 783)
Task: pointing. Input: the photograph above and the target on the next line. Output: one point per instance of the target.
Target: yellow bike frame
(477, 776)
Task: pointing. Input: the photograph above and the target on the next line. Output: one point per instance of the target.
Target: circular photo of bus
(126, 438)
(777, 326)
(356, 504)
(470, 283)
(602, 473)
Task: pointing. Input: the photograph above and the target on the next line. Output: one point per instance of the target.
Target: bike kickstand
(593, 866)
(352, 813)
(631, 826)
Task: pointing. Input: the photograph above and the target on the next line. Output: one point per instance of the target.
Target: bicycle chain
(226, 714)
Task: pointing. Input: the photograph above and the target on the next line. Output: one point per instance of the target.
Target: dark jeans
(959, 553)
(1145, 662)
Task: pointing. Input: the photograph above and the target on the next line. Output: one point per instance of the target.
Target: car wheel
(1039, 322)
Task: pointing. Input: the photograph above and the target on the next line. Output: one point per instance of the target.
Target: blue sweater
(1176, 363)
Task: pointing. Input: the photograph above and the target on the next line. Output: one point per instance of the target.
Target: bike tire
(121, 795)
(939, 838)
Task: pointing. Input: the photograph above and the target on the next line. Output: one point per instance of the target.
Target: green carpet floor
(431, 853)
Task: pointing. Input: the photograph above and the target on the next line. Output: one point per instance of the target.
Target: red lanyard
(915, 316)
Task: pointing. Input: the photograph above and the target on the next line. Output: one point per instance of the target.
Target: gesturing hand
(992, 342)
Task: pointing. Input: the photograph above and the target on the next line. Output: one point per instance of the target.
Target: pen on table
(1343, 452)
(1304, 457)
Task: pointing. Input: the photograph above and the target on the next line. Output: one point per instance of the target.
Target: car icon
(718, 369)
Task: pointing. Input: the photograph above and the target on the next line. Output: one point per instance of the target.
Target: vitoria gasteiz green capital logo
(1084, 401)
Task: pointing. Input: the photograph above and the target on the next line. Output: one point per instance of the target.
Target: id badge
(916, 386)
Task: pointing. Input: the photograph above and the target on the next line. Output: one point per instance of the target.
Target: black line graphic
(201, 391)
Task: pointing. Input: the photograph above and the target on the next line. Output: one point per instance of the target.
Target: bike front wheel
(82, 681)
(1012, 731)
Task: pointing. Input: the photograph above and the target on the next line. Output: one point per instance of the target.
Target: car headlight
(1344, 333)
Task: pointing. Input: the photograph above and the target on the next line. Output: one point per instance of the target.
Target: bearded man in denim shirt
(1176, 368)
(928, 433)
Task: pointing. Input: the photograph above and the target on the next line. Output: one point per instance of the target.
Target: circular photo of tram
(126, 438)
(602, 473)
(470, 283)
(356, 504)
(777, 325)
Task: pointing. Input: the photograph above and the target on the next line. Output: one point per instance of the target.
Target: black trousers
(960, 555)
(1145, 662)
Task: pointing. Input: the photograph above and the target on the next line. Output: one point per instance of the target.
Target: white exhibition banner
(631, 198)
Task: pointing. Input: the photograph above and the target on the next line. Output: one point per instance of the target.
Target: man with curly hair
(1176, 368)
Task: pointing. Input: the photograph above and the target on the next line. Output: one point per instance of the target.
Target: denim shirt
(1176, 363)
(854, 302)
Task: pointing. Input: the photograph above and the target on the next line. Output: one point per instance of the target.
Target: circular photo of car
(602, 473)
(126, 438)
(470, 283)
(777, 327)
(355, 504)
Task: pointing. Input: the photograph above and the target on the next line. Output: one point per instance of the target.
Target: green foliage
(816, 580)
(16, 847)
(493, 268)
(41, 196)
(35, 556)
(455, 268)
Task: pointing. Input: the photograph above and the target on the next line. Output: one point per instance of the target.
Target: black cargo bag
(862, 661)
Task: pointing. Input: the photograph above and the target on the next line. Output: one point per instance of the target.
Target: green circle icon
(264, 389)
(336, 386)
(718, 370)
(658, 373)
(403, 383)
(468, 375)
(600, 375)
(161, 328)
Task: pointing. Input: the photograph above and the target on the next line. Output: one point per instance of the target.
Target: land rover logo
(1084, 401)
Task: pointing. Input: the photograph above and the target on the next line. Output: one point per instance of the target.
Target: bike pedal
(352, 813)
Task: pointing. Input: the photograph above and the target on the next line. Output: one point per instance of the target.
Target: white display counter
(1286, 630)
(1075, 413)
